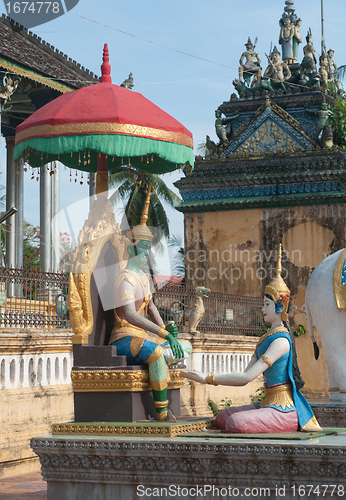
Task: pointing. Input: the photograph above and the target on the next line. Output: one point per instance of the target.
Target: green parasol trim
(80, 152)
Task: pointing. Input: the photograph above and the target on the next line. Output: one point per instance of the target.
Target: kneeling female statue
(284, 408)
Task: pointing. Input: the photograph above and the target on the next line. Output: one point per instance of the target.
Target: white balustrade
(30, 370)
(216, 363)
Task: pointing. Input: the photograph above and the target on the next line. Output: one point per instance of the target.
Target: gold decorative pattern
(160, 429)
(272, 332)
(210, 379)
(339, 290)
(280, 395)
(269, 136)
(127, 296)
(334, 389)
(99, 228)
(103, 128)
(312, 425)
(267, 360)
(27, 73)
(119, 380)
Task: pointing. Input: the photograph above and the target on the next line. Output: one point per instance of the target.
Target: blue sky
(188, 88)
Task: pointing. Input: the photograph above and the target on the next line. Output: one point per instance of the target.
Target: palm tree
(132, 187)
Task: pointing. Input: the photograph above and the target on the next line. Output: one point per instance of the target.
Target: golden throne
(105, 388)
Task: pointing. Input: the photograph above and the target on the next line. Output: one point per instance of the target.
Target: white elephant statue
(325, 302)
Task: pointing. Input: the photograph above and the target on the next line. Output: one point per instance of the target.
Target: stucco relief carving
(270, 137)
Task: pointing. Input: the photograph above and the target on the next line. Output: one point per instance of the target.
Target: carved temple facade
(271, 183)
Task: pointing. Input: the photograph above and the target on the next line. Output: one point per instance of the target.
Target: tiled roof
(26, 48)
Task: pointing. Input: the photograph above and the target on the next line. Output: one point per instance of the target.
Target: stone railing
(36, 391)
(30, 370)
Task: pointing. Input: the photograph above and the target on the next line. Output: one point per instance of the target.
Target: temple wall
(36, 391)
(235, 252)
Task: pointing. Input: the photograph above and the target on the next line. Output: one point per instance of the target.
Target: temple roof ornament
(290, 36)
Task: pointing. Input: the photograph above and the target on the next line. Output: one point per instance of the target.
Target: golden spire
(277, 288)
(142, 232)
(144, 216)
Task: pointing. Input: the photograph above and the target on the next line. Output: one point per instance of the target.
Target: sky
(189, 88)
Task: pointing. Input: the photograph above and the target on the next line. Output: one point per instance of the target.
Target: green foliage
(214, 408)
(298, 330)
(259, 396)
(132, 187)
(31, 247)
(338, 122)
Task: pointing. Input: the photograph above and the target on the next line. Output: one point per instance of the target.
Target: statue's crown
(275, 51)
(277, 288)
(142, 232)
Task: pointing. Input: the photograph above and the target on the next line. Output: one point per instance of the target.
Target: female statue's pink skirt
(252, 420)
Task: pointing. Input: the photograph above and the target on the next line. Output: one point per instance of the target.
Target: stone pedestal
(128, 468)
(107, 390)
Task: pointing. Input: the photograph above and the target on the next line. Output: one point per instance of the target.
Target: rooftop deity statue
(224, 133)
(277, 71)
(308, 64)
(333, 69)
(323, 126)
(284, 408)
(332, 64)
(252, 64)
(290, 36)
(325, 70)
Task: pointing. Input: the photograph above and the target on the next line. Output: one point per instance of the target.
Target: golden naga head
(278, 290)
(141, 232)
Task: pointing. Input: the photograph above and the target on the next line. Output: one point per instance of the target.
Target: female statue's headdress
(142, 232)
(278, 290)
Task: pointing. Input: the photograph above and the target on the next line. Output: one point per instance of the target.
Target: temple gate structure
(274, 177)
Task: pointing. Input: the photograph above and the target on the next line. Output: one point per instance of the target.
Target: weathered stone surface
(84, 467)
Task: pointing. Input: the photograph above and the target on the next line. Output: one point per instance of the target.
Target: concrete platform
(130, 468)
(25, 487)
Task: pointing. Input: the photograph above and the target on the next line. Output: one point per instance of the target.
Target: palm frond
(341, 73)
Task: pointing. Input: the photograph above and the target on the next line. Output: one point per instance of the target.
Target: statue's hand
(175, 346)
(195, 376)
(172, 329)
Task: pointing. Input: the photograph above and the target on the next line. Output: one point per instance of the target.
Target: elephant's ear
(316, 351)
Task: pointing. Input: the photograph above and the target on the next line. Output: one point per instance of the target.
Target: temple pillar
(10, 202)
(19, 217)
(45, 218)
(55, 195)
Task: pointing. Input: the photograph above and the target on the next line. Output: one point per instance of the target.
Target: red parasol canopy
(104, 118)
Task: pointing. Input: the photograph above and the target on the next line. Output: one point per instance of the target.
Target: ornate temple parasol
(102, 127)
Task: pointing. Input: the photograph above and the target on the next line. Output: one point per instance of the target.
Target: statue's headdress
(142, 232)
(278, 290)
(248, 42)
(275, 51)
